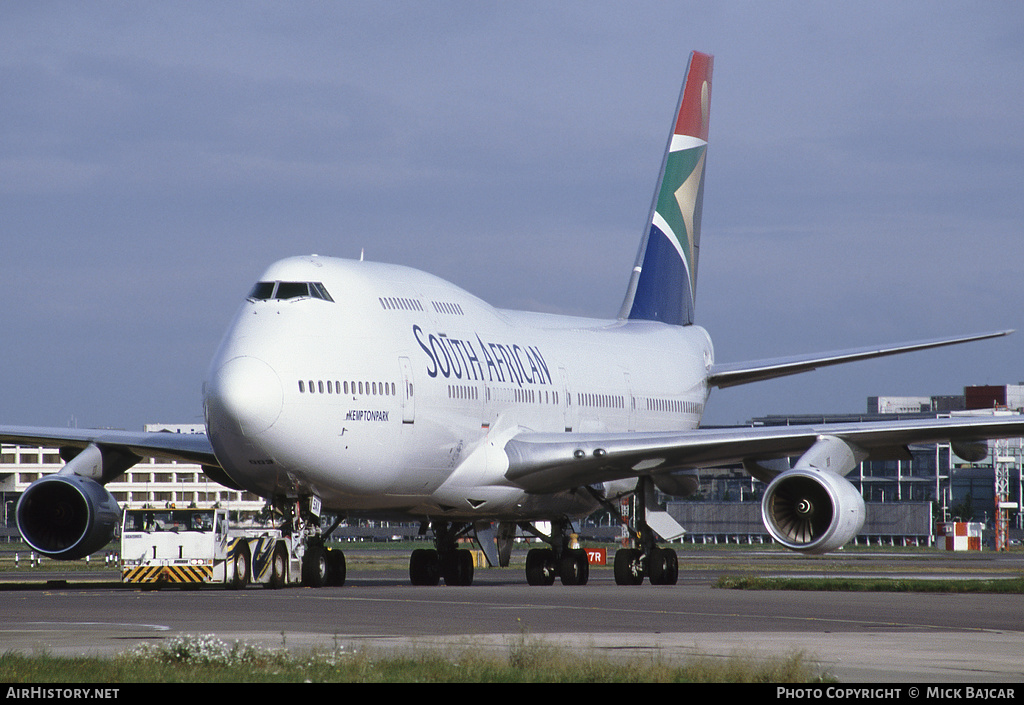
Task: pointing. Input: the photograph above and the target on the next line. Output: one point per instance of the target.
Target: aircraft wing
(127, 446)
(732, 374)
(188, 447)
(550, 462)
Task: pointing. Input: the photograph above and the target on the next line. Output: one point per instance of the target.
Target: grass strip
(1000, 586)
(205, 659)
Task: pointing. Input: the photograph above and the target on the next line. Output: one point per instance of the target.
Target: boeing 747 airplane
(353, 388)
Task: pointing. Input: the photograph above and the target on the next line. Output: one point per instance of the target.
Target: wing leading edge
(189, 447)
(541, 462)
(733, 374)
(129, 447)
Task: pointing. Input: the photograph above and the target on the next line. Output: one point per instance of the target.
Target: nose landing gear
(319, 565)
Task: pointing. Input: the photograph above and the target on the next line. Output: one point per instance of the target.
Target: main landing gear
(645, 558)
(632, 565)
(568, 564)
(446, 560)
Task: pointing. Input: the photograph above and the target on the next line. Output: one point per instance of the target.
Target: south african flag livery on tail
(664, 280)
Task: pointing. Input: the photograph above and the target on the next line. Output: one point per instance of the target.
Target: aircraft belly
(494, 504)
(512, 504)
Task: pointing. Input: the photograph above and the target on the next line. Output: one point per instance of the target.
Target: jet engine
(811, 508)
(67, 516)
(681, 483)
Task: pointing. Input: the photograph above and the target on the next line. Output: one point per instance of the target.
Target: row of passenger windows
(445, 307)
(398, 303)
(401, 303)
(502, 394)
(523, 396)
(346, 387)
(601, 401)
(674, 406)
(613, 401)
(462, 391)
(264, 291)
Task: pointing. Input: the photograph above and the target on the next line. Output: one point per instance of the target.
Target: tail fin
(664, 281)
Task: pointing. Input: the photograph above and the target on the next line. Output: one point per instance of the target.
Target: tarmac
(854, 637)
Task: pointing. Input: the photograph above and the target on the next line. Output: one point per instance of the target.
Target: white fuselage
(390, 390)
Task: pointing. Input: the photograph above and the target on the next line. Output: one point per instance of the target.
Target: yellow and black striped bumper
(187, 574)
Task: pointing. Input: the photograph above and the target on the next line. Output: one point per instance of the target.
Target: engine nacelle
(971, 451)
(812, 511)
(681, 483)
(67, 516)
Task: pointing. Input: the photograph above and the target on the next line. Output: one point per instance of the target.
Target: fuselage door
(567, 406)
(630, 406)
(408, 391)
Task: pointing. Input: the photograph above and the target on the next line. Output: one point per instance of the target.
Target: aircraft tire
(629, 568)
(574, 569)
(540, 566)
(663, 566)
(457, 568)
(424, 567)
(314, 566)
(337, 570)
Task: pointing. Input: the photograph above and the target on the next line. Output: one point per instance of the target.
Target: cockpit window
(317, 291)
(291, 290)
(264, 291)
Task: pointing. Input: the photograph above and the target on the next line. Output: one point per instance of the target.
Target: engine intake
(812, 508)
(812, 511)
(67, 516)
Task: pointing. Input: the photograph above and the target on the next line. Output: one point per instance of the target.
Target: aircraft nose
(245, 396)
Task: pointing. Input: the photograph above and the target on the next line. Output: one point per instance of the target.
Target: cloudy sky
(865, 178)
